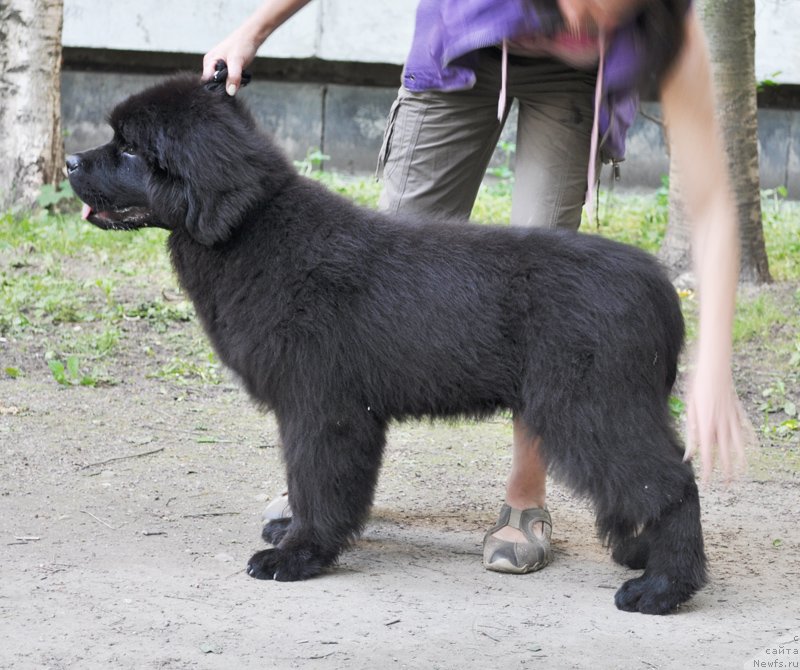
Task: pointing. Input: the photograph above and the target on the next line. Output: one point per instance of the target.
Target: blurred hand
(716, 423)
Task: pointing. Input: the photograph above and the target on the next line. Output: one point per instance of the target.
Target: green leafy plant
(777, 401)
(662, 193)
(52, 197)
(794, 357)
(768, 81)
(676, 407)
(787, 428)
(69, 374)
(312, 162)
(774, 397)
(160, 314)
(185, 369)
(503, 171)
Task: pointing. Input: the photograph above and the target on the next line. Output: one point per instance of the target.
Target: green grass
(46, 235)
(757, 316)
(69, 285)
(200, 365)
(781, 220)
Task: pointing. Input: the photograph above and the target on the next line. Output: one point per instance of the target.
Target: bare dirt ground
(128, 512)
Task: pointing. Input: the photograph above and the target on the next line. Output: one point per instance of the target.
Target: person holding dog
(575, 67)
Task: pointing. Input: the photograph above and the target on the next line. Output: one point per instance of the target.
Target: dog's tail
(675, 330)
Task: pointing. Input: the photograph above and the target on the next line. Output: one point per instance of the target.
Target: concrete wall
(341, 30)
(345, 30)
(354, 43)
(778, 40)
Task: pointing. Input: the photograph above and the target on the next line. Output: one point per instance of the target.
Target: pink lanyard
(591, 178)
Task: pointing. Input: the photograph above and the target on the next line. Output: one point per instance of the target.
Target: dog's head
(184, 154)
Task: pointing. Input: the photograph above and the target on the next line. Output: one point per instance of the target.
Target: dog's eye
(128, 149)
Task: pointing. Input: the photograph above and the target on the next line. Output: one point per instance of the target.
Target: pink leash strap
(591, 179)
(501, 103)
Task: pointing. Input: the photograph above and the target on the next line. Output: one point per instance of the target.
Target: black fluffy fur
(342, 319)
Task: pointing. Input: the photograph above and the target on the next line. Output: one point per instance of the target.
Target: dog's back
(427, 318)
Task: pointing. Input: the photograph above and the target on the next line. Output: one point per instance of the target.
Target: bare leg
(526, 486)
(520, 540)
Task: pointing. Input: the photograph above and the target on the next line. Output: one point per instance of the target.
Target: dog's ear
(215, 210)
(219, 178)
(213, 164)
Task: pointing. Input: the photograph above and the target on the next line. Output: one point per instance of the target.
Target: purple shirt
(448, 32)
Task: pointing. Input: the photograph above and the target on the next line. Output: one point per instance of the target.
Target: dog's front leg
(332, 466)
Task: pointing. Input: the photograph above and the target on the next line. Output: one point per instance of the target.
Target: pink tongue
(85, 211)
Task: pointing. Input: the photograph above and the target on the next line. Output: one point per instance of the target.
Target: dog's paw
(652, 594)
(274, 531)
(284, 566)
(632, 553)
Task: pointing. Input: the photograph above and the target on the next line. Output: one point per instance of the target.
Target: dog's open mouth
(127, 218)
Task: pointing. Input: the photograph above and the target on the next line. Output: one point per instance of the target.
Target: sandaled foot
(519, 557)
(278, 508)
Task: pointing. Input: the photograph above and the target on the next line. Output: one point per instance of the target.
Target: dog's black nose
(73, 163)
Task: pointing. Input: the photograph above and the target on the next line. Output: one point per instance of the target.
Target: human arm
(715, 418)
(239, 48)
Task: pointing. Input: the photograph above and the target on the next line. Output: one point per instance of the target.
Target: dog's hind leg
(675, 566)
(332, 466)
(661, 501)
(629, 464)
(633, 551)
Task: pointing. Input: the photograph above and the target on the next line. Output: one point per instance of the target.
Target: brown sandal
(519, 557)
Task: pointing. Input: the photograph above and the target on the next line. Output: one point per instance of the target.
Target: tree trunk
(676, 248)
(31, 144)
(730, 28)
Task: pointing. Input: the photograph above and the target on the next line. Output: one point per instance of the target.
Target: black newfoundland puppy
(342, 319)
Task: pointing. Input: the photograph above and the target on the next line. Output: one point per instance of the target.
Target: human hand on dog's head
(234, 52)
(239, 48)
(221, 76)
